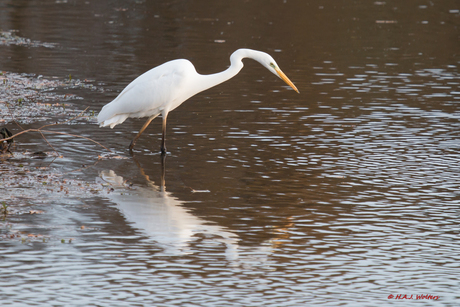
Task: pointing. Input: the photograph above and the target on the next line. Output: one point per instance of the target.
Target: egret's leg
(163, 173)
(142, 130)
(163, 140)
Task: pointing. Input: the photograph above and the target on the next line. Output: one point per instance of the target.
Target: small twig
(83, 167)
(49, 143)
(40, 130)
(19, 133)
(66, 121)
(55, 132)
(11, 114)
(77, 136)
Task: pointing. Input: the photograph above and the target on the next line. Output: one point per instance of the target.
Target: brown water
(343, 194)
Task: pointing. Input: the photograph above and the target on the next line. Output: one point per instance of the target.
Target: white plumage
(165, 87)
(136, 100)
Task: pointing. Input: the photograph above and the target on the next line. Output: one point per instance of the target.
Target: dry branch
(41, 130)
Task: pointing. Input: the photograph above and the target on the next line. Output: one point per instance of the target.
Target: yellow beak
(286, 79)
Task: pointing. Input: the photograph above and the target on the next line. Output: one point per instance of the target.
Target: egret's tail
(112, 122)
(107, 117)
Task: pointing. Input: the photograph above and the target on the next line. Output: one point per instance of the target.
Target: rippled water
(342, 195)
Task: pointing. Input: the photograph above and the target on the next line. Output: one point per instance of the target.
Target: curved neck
(236, 64)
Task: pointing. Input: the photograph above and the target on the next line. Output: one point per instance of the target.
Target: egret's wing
(149, 94)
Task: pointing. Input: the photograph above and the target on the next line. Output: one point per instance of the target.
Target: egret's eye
(272, 65)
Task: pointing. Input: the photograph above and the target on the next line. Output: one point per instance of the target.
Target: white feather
(165, 87)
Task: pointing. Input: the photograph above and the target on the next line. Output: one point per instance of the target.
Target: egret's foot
(131, 145)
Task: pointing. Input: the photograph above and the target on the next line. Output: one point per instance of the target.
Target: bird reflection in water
(163, 217)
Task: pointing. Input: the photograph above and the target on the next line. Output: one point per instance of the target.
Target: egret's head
(271, 65)
(263, 58)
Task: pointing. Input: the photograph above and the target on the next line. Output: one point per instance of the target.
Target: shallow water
(343, 194)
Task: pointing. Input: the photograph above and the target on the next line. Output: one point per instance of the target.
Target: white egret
(165, 87)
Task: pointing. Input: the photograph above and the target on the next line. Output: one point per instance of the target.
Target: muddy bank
(29, 182)
(29, 98)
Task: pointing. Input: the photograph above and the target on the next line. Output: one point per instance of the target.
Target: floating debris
(39, 155)
(200, 191)
(8, 38)
(28, 98)
(5, 145)
(386, 21)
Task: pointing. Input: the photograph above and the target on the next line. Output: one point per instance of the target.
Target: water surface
(343, 194)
